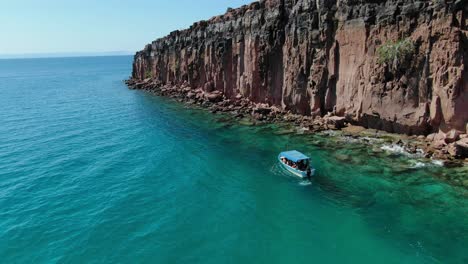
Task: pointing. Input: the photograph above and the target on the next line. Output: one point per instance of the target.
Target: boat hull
(297, 173)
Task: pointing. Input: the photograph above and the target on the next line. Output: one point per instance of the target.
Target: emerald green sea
(92, 172)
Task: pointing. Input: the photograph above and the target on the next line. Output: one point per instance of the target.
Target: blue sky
(64, 26)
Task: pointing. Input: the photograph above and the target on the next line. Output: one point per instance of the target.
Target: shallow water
(93, 172)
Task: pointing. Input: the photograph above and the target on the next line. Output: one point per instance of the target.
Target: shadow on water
(398, 201)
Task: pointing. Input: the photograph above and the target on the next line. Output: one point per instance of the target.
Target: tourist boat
(303, 169)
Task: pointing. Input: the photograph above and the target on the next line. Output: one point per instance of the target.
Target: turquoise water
(93, 172)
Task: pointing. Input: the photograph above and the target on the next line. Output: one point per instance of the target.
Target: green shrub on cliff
(148, 74)
(395, 53)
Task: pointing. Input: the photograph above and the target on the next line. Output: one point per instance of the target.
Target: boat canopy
(294, 155)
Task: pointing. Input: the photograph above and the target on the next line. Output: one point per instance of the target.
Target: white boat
(296, 163)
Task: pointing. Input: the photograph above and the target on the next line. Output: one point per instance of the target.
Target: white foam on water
(330, 133)
(417, 164)
(438, 163)
(305, 183)
(371, 139)
(301, 130)
(362, 140)
(397, 149)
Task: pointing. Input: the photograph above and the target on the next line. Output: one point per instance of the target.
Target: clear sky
(64, 26)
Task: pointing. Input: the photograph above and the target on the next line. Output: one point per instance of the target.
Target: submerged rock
(246, 122)
(343, 157)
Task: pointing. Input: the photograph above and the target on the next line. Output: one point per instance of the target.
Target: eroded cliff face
(318, 56)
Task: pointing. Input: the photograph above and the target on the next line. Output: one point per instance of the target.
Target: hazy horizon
(65, 54)
(53, 27)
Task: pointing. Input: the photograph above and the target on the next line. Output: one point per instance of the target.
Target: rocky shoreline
(451, 148)
(384, 64)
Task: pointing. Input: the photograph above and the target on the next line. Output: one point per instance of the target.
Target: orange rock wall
(318, 56)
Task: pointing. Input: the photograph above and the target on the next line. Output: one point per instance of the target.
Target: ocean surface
(91, 172)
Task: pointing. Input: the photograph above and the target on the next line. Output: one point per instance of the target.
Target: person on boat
(302, 165)
(299, 165)
(309, 173)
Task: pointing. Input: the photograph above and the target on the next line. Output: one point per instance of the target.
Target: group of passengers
(300, 165)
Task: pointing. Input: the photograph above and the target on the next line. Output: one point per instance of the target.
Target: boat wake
(305, 183)
(277, 170)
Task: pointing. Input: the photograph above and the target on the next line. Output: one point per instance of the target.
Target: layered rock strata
(315, 57)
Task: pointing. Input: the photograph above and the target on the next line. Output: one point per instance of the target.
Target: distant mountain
(65, 54)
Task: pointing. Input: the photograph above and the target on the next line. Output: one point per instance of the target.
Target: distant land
(64, 54)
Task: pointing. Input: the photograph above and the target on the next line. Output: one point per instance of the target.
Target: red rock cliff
(319, 56)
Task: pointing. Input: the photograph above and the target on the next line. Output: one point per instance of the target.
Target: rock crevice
(312, 57)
